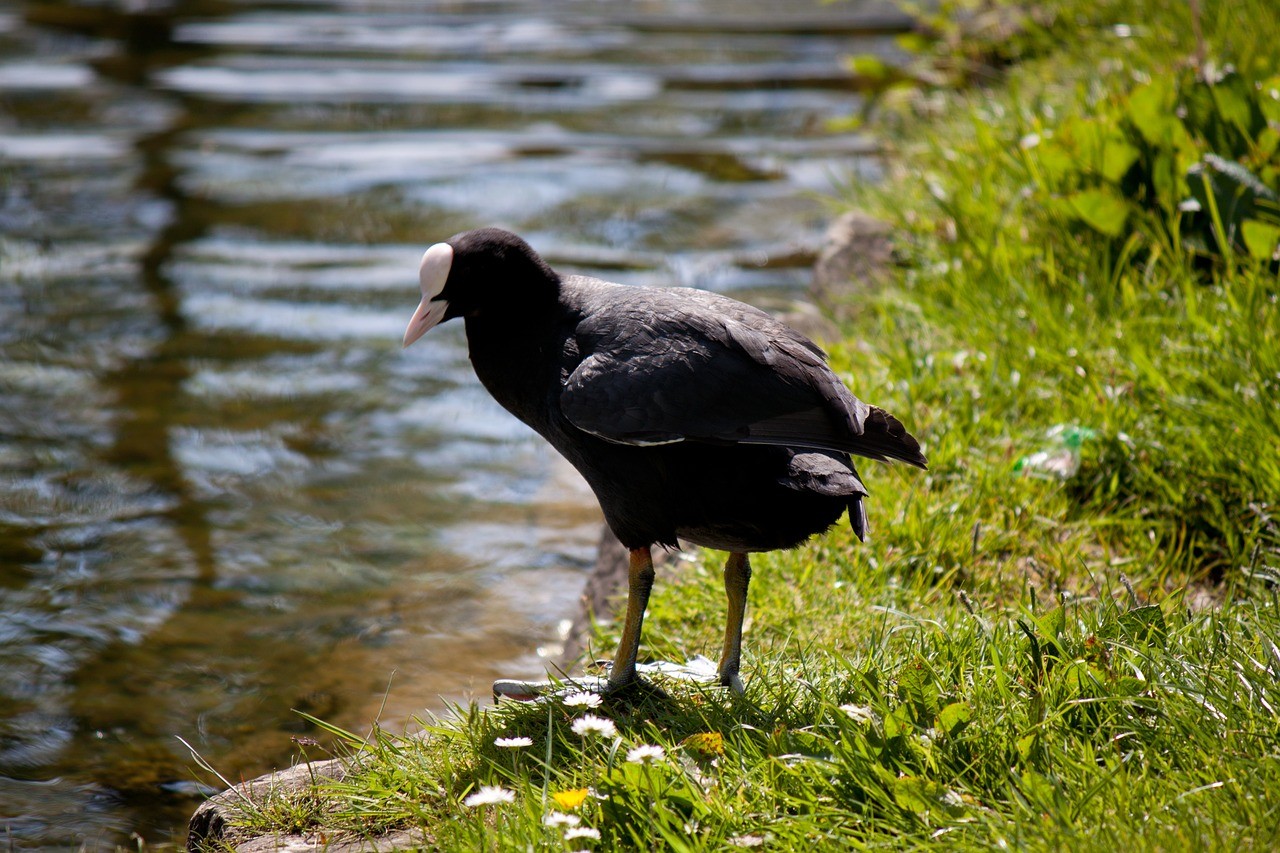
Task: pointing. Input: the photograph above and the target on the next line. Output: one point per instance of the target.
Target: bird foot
(734, 683)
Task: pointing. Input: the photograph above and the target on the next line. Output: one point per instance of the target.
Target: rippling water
(225, 492)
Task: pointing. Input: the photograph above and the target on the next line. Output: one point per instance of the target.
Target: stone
(213, 826)
(857, 253)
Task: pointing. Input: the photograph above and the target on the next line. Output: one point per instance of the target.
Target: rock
(213, 826)
(857, 253)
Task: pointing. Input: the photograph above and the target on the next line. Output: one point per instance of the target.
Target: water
(225, 491)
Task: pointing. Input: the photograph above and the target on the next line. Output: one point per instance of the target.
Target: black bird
(694, 418)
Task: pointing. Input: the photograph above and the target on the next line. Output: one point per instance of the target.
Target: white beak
(433, 273)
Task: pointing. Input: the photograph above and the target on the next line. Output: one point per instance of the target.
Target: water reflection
(225, 493)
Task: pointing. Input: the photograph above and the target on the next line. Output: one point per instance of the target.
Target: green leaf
(1026, 745)
(1056, 162)
(1260, 238)
(1101, 209)
(917, 685)
(1052, 623)
(1233, 104)
(1086, 136)
(1040, 792)
(1224, 114)
(1078, 678)
(954, 717)
(1269, 98)
(898, 722)
(1268, 141)
(1167, 178)
(913, 794)
(1127, 685)
(1118, 156)
(1235, 99)
(922, 796)
(1151, 111)
(1143, 625)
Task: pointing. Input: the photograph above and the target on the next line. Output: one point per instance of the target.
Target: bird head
(486, 271)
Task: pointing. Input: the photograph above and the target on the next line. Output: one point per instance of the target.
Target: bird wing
(664, 366)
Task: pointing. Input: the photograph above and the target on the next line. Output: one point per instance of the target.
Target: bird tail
(858, 517)
(884, 437)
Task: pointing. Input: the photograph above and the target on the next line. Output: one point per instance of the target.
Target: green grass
(1085, 725)
(1016, 659)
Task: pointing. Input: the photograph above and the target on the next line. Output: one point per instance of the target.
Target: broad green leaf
(1127, 685)
(1232, 100)
(1026, 745)
(898, 722)
(954, 717)
(916, 684)
(1040, 791)
(1118, 156)
(1078, 678)
(1260, 238)
(1101, 209)
(1168, 180)
(1086, 136)
(1151, 111)
(1053, 622)
(913, 794)
(1269, 98)
(1268, 141)
(1144, 625)
(1223, 114)
(1056, 162)
(921, 796)
(1197, 107)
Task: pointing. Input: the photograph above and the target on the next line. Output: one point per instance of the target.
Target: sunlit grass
(1091, 724)
(1062, 636)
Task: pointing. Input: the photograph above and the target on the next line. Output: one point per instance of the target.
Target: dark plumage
(694, 418)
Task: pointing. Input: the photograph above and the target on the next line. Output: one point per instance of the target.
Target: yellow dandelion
(705, 743)
(570, 799)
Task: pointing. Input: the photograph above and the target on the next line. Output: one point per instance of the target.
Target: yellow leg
(640, 583)
(737, 577)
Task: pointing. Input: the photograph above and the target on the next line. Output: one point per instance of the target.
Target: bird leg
(737, 577)
(639, 584)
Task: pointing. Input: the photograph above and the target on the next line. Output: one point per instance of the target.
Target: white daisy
(560, 819)
(646, 754)
(582, 832)
(582, 700)
(589, 724)
(512, 742)
(489, 795)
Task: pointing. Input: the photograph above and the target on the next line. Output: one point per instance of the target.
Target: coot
(694, 418)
